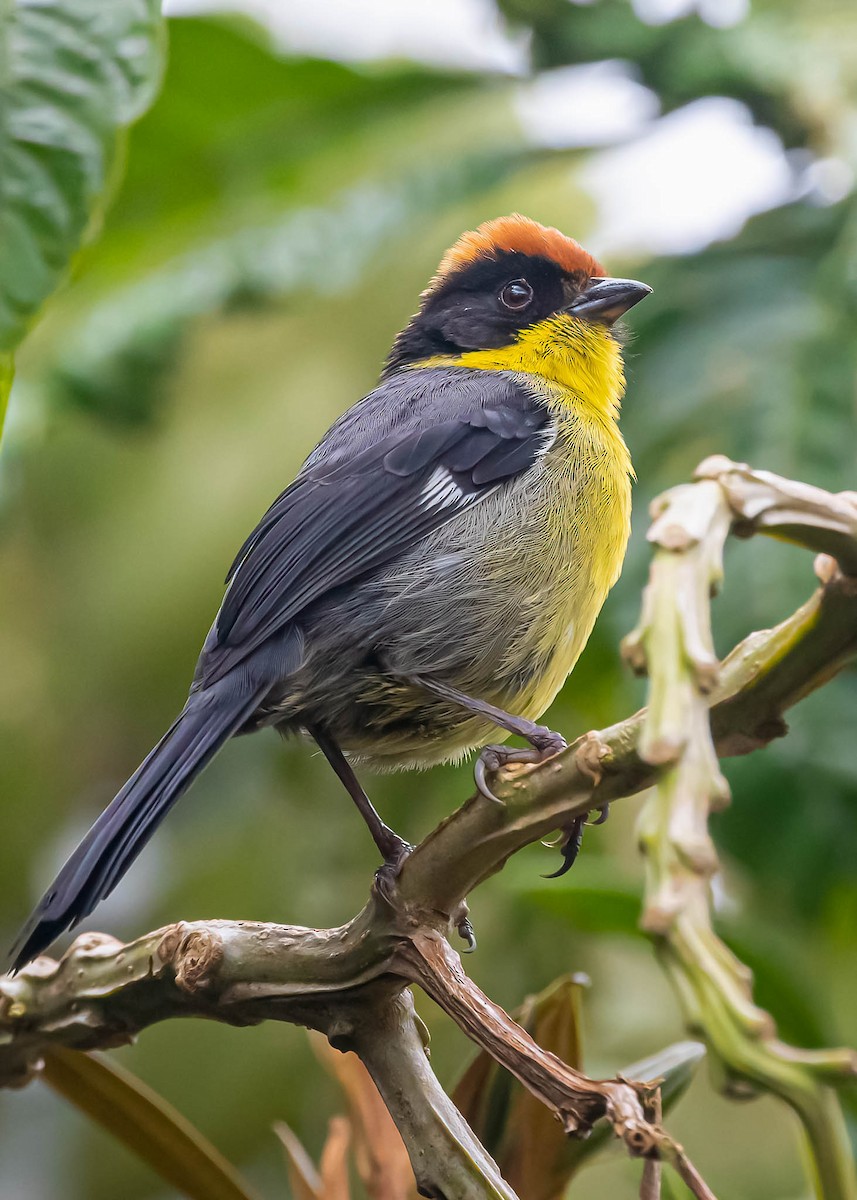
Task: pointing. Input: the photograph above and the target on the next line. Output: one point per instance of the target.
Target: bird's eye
(516, 295)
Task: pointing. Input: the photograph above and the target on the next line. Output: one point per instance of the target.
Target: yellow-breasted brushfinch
(429, 579)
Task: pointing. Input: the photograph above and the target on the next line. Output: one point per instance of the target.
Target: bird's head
(504, 278)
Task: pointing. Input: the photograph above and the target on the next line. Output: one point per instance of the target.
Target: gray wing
(438, 441)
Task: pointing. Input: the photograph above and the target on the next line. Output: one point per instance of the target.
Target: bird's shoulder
(414, 399)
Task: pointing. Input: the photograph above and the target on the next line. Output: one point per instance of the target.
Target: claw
(465, 932)
(481, 784)
(570, 847)
(570, 840)
(492, 758)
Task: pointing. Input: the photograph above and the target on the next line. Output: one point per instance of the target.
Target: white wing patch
(441, 491)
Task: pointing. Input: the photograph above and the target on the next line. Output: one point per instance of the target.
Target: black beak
(605, 300)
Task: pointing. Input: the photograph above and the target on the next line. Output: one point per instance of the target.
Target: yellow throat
(581, 357)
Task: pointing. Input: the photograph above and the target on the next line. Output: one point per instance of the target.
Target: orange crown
(517, 234)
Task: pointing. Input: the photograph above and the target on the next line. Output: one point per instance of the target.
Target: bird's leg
(393, 848)
(544, 744)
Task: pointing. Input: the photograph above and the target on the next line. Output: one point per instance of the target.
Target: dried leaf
(482, 1098)
(330, 1181)
(146, 1123)
(380, 1154)
(533, 1153)
(334, 1160)
(554, 1018)
(534, 1149)
(304, 1179)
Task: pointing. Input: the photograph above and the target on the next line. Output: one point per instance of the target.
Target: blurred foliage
(144, 1122)
(72, 77)
(277, 220)
(224, 220)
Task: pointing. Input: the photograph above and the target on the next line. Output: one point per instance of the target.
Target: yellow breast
(573, 551)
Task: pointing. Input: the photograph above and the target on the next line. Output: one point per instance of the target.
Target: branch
(650, 1183)
(349, 982)
(762, 502)
(448, 1159)
(673, 642)
(102, 993)
(764, 676)
(577, 1100)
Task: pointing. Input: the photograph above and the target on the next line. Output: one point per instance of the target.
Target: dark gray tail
(209, 718)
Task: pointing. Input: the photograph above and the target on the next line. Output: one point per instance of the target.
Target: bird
(427, 582)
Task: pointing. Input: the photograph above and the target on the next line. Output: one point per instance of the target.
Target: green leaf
(675, 1066)
(73, 75)
(145, 1123)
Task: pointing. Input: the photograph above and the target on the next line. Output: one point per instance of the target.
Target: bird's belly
(498, 603)
(551, 584)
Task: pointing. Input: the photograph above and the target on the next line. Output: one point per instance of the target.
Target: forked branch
(351, 982)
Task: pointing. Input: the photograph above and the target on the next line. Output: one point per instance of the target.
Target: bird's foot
(571, 838)
(544, 743)
(461, 920)
(466, 933)
(395, 850)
